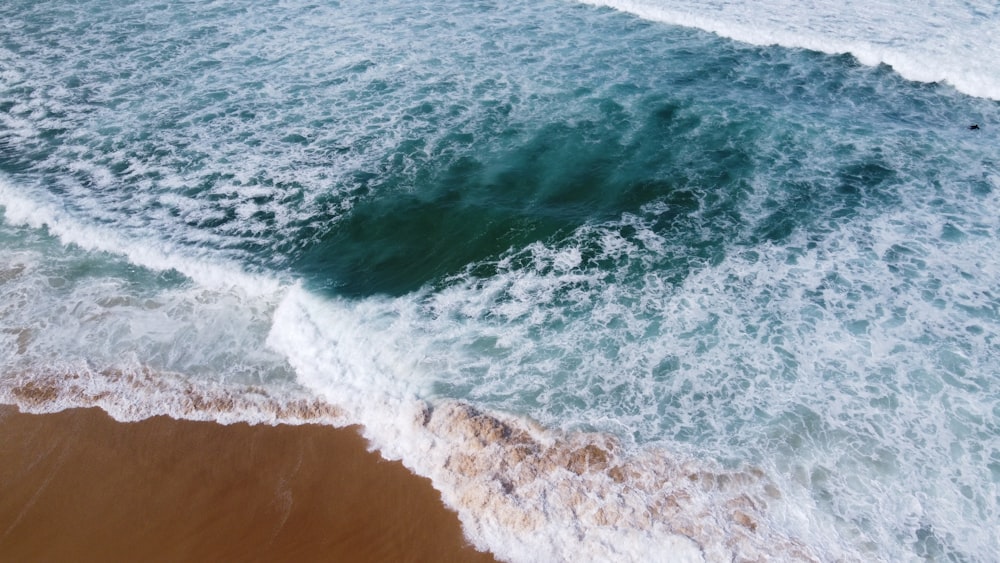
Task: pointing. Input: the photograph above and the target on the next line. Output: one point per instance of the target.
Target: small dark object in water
(974, 126)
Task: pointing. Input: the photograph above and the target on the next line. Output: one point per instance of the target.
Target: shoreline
(79, 485)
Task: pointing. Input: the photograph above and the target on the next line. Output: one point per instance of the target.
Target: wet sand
(79, 486)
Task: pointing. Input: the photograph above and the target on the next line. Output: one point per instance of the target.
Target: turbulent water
(639, 280)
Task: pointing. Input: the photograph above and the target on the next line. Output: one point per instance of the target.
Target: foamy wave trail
(951, 41)
(524, 492)
(81, 328)
(22, 207)
(140, 393)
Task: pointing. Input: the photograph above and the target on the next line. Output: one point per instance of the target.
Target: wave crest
(951, 43)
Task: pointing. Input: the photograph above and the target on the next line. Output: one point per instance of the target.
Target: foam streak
(33, 211)
(952, 43)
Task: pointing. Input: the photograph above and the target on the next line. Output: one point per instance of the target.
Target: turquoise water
(754, 256)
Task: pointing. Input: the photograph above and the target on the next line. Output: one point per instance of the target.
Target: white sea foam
(92, 322)
(527, 493)
(836, 363)
(39, 210)
(952, 41)
(137, 394)
(524, 492)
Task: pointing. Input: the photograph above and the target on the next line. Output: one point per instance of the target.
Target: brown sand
(79, 486)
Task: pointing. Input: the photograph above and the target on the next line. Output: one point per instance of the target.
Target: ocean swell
(951, 42)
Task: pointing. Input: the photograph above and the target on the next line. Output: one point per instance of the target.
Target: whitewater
(952, 42)
(633, 281)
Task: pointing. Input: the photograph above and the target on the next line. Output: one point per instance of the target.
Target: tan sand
(79, 486)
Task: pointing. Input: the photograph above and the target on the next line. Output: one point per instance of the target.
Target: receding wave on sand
(522, 491)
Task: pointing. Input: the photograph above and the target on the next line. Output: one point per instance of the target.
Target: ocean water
(628, 280)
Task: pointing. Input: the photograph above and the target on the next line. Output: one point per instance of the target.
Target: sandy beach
(79, 486)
